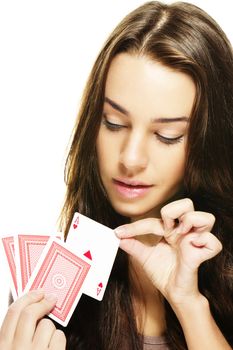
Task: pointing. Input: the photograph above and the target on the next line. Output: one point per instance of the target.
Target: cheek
(172, 164)
(177, 167)
(106, 150)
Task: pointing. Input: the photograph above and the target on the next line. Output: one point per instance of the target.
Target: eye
(169, 140)
(112, 126)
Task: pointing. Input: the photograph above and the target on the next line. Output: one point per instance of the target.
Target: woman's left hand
(172, 262)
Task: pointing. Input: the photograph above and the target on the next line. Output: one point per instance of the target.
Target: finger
(43, 334)
(58, 341)
(173, 211)
(199, 220)
(204, 246)
(140, 227)
(136, 249)
(11, 319)
(30, 316)
(195, 221)
(208, 245)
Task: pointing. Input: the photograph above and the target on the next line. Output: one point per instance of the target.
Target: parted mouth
(131, 183)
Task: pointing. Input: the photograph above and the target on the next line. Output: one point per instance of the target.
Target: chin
(137, 213)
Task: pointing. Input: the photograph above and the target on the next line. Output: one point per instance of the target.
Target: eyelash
(166, 140)
(112, 126)
(169, 141)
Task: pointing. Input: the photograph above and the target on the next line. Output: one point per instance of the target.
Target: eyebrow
(116, 106)
(124, 111)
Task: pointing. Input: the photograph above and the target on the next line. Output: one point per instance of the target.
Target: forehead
(142, 85)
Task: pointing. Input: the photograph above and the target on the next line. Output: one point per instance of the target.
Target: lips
(131, 188)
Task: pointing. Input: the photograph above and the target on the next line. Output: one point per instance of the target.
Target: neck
(147, 302)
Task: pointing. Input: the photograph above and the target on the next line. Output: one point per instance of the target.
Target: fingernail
(120, 231)
(51, 297)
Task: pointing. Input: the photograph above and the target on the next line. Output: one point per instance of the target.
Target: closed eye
(169, 140)
(163, 139)
(112, 126)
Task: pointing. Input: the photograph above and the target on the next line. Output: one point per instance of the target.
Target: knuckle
(184, 202)
(28, 313)
(219, 246)
(60, 335)
(13, 309)
(46, 323)
(212, 218)
(188, 202)
(32, 296)
(164, 209)
(58, 340)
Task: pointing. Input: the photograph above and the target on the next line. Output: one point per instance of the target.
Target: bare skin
(24, 327)
(172, 266)
(141, 154)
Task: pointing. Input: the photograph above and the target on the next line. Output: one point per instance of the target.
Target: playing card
(61, 272)
(100, 244)
(7, 250)
(28, 249)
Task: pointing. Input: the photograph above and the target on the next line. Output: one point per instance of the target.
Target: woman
(152, 156)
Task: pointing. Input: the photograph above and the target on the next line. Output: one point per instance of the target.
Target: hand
(172, 263)
(24, 327)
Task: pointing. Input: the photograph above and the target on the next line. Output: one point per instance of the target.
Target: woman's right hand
(24, 327)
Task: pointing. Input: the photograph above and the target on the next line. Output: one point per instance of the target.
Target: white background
(47, 50)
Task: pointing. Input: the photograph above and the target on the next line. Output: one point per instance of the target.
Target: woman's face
(142, 138)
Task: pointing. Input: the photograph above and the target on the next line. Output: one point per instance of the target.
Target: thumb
(136, 249)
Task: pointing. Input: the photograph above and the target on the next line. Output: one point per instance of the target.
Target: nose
(133, 154)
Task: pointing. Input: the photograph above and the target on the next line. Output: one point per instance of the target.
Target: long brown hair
(185, 38)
